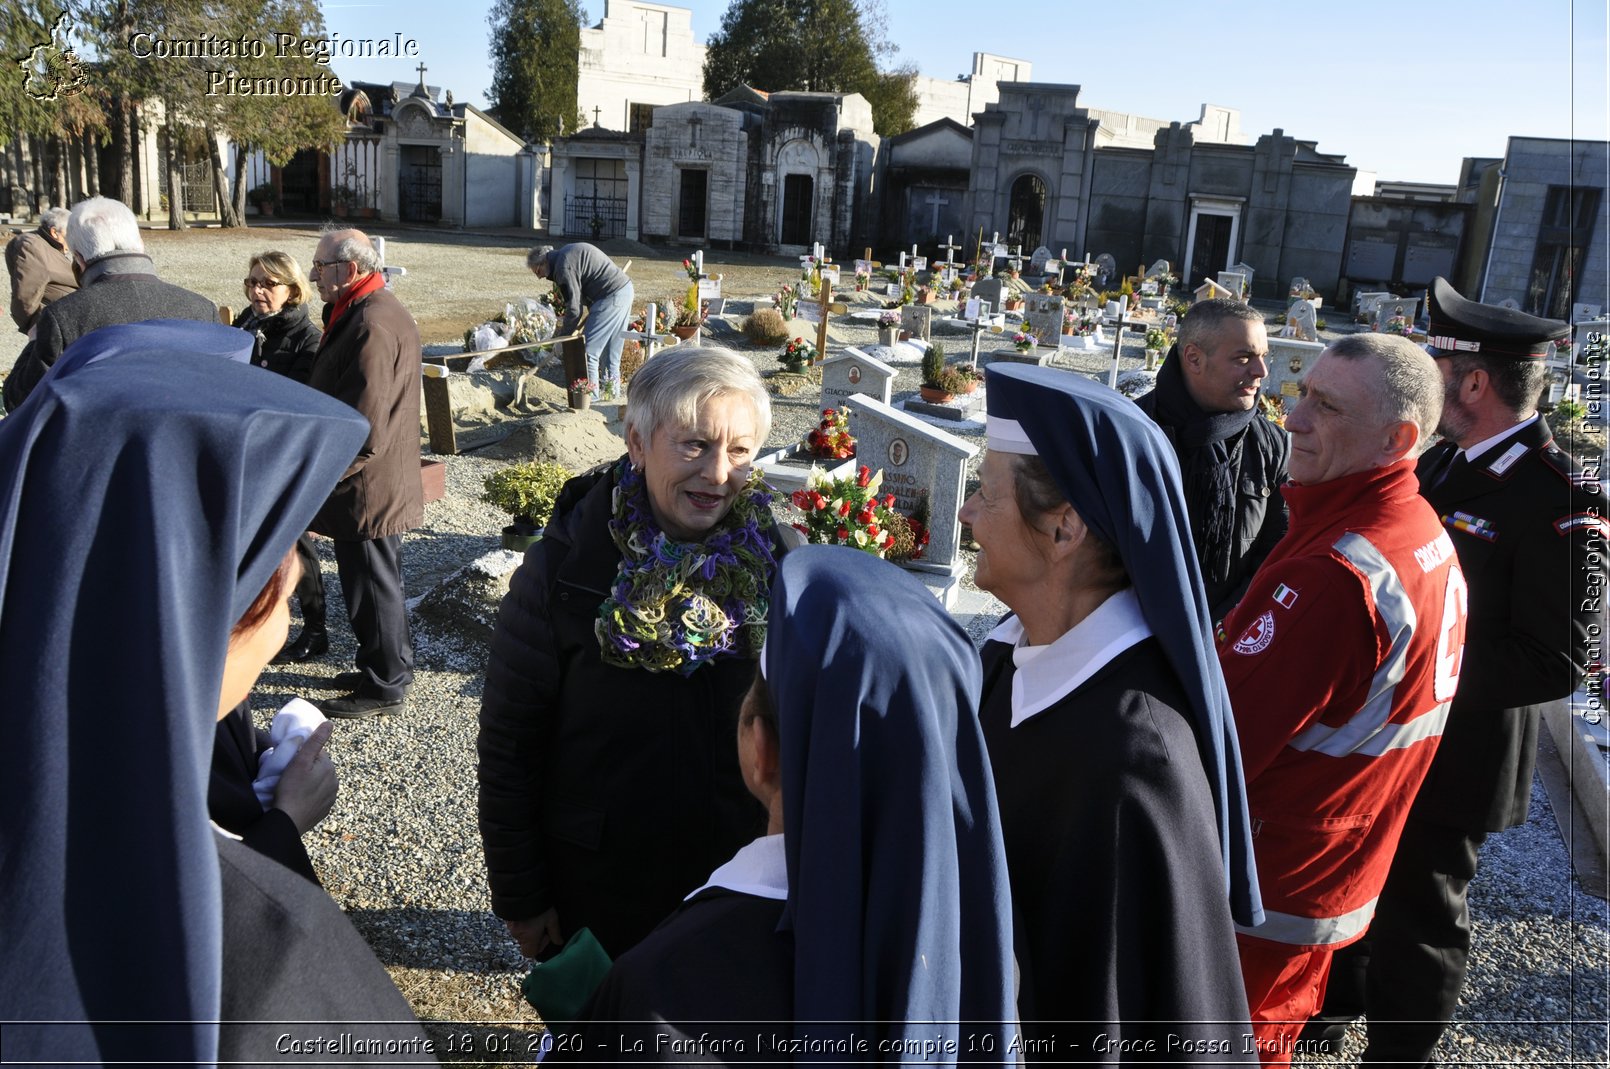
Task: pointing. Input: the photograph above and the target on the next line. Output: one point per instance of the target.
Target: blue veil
(897, 886)
(149, 486)
(1119, 472)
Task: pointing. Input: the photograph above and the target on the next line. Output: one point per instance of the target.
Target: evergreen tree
(827, 46)
(535, 53)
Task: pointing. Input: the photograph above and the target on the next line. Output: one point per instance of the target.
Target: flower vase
(886, 335)
(1152, 356)
(581, 400)
(684, 333)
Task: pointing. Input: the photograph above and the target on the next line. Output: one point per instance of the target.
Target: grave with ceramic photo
(918, 462)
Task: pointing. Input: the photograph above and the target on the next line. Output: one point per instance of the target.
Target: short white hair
(355, 247)
(101, 226)
(672, 387)
(54, 219)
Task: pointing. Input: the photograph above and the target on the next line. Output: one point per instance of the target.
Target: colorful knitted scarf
(675, 606)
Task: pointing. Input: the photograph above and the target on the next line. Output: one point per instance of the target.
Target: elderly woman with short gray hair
(609, 787)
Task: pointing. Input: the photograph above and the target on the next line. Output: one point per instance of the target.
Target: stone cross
(935, 201)
(596, 112)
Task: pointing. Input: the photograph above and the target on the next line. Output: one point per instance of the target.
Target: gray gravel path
(400, 852)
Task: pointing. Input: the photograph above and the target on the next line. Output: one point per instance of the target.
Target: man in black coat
(118, 285)
(1232, 459)
(1529, 527)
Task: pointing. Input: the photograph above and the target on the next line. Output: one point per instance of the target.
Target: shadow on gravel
(456, 939)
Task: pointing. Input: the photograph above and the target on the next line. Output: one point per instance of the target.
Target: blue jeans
(606, 319)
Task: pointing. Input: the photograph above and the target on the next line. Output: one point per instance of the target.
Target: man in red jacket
(1341, 661)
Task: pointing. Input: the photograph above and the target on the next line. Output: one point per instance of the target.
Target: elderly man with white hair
(118, 285)
(41, 270)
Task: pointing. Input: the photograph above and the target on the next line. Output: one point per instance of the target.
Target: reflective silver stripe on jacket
(1311, 931)
(1367, 731)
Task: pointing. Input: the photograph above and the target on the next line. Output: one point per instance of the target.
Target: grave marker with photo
(854, 371)
(917, 460)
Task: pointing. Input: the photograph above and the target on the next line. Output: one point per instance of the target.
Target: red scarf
(366, 285)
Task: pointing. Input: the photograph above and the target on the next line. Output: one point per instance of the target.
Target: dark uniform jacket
(286, 343)
(107, 299)
(299, 984)
(713, 985)
(1257, 458)
(232, 803)
(370, 359)
(1529, 529)
(1121, 922)
(607, 793)
(40, 274)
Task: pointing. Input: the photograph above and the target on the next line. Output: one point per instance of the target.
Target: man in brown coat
(40, 267)
(370, 358)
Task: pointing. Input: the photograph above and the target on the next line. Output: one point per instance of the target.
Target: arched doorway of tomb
(1025, 212)
(798, 163)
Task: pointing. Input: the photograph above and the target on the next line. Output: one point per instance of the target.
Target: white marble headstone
(917, 459)
(854, 371)
(1300, 323)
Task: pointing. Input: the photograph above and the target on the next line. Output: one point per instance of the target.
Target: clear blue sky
(1405, 89)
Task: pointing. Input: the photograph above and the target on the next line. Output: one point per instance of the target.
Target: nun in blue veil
(151, 490)
(1110, 734)
(872, 922)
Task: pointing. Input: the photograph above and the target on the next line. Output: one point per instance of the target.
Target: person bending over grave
(608, 784)
(152, 489)
(1109, 732)
(1341, 661)
(1232, 459)
(876, 906)
(587, 280)
(1529, 528)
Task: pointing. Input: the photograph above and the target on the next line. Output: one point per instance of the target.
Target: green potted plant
(265, 198)
(689, 320)
(940, 384)
(526, 492)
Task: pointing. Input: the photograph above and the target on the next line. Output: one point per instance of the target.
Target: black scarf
(1209, 445)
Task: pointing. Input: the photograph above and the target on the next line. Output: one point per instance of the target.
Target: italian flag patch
(1284, 596)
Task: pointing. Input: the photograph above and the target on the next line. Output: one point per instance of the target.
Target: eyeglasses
(260, 283)
(328, 263)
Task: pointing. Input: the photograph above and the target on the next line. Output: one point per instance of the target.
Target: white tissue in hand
(293, 725)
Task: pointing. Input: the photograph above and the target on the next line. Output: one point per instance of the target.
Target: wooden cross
(821, 326)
